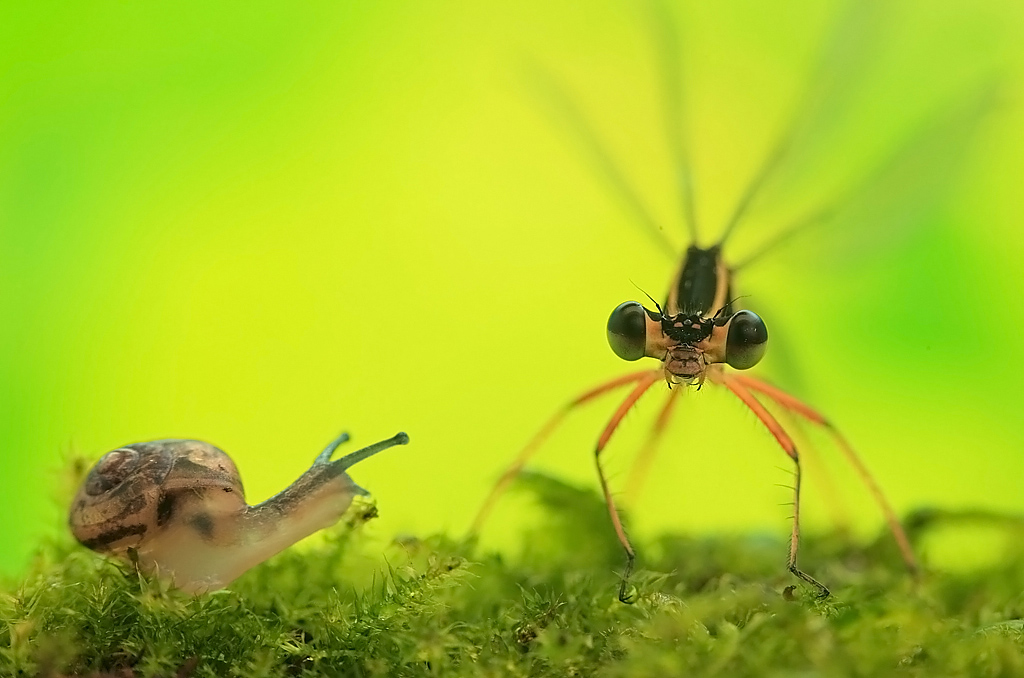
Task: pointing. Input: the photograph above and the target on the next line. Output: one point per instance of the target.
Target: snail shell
(180, 505)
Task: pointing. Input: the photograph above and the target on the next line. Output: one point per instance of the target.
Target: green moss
(441, 607)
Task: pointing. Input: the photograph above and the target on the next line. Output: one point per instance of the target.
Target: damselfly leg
(627, 404)
(645, 457)
(794, 405)
(533, 446)
(789, 447)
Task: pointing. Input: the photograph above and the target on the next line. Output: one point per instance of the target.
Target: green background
(259, 224)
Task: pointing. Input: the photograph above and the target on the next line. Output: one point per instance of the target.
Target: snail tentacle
(325, 456)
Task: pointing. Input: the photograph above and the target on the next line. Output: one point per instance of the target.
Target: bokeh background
(259, 224)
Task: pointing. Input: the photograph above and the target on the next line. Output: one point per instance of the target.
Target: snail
(177, 508)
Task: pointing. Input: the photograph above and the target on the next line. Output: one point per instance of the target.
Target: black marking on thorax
(698, 282)
(699, 300)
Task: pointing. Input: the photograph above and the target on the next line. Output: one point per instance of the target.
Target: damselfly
(699, 334)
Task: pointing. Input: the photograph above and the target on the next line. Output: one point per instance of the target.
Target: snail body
(180, 506)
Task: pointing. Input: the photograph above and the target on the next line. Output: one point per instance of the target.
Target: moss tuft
(441, 607)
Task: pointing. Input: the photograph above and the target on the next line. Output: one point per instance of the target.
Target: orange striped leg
(740, 390)
(531, 448)
(642, 464)
(831, 495)
(634, 395)
(792, 404)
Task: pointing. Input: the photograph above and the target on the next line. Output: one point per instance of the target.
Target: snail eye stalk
(627, 330)
(747, 340)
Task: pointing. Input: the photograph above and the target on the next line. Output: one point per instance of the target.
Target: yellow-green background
(261, 223)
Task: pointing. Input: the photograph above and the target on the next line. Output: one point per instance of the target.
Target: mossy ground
(438, 606)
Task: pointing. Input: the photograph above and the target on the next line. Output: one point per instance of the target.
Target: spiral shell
(133, 491)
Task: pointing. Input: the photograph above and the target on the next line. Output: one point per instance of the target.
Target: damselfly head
(686, 341)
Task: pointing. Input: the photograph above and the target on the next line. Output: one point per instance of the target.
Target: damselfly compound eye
(627, 330)
(747, 341)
